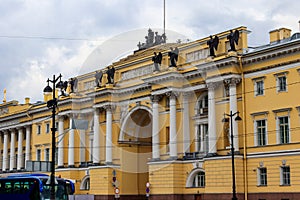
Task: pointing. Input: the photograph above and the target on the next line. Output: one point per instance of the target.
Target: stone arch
(190, 178)
(85, 183)
(129, 117)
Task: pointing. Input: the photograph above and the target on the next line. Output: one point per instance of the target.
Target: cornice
(170, 75)
(271, 52)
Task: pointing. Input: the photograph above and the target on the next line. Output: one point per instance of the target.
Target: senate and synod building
(202, 120)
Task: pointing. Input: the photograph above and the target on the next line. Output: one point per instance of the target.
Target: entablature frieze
(164, 77)
(214, 64)
(15, 125)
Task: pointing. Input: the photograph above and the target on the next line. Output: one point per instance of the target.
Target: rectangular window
(262, 176)
(281, 84)
(47, 154)
(38, 129)
(47, 128)
(56, 126)
(167, 138)
(259, 87)
(261, 132)
(38, 155)
(285, 175)
(284, 129)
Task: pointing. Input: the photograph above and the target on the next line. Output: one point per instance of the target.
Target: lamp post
(238, 118)
(52, 104)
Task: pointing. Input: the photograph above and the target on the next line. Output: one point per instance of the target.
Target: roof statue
(173, 54)
(98, 78)
(157, 58)
(213, 45)
(233, 38)
(152, 39)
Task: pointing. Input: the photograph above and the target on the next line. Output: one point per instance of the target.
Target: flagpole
(164, 17)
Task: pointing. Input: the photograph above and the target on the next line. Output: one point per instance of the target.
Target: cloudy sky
(39, 38)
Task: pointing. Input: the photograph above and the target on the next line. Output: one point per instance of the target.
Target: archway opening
(136, 141)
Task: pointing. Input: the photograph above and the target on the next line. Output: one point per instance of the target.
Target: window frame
(47, 154)
(262, 177)
(285, 176)
(259, 91)
(47, 127)
(199, 180)
(38, 155)
(38, 129)
(257, 133)
(286, 130)
(279, 76)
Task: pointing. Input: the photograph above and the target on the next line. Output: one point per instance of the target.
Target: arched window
(199, 180)
(203, 104)
(196, 178)
(85, 183)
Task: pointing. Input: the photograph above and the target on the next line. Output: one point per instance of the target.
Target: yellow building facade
(162, 133)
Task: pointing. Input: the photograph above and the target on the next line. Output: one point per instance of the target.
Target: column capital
(155, 98)
(109, 107)
(12, 130)
(212, 85)
(172, 94)
(19, 128)
(232, 81)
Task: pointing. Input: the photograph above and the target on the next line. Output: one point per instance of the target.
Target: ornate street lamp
(52, 104)
(237, 118)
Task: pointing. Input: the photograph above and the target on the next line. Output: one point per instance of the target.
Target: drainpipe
(244, 130)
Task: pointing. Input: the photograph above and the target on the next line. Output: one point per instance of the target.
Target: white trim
(274, 153)
(272, 70)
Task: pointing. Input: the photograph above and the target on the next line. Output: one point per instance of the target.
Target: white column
(155, 128)
(202, 137)
(12, 163)
(60, 140)
(91, 149)
(212, 135)
(173, 131)
(233, 108)
(108, 146)
(186, 123)
(5, 151)
(82, 146)
(20, 149)
(71, 145)
(96, 141)
(27, 147)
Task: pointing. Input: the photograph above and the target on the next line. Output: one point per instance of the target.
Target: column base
(96, 164)
(108, 163)
(211, 155)
(235, 153)
(71, 166)
(173, 158)
(60, 167)
(154, 159)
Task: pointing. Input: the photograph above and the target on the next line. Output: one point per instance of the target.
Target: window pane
(261, 132)
(286, 175)
(263, 176)
(284, 130)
